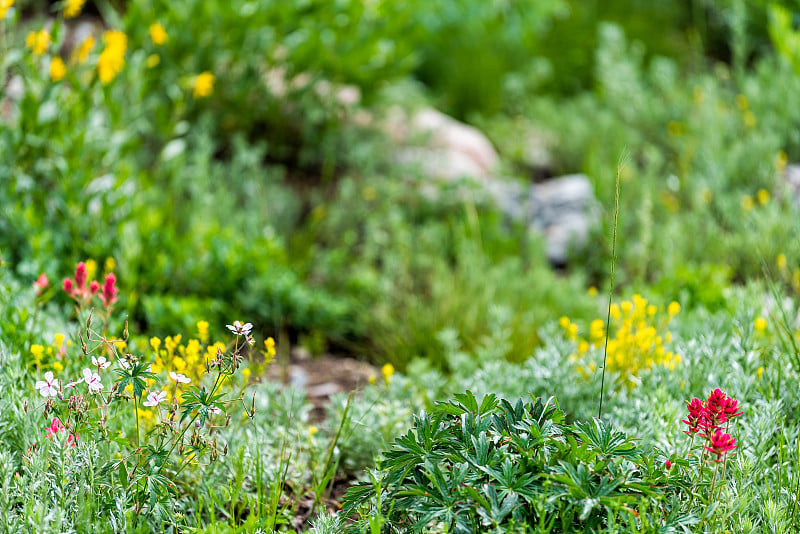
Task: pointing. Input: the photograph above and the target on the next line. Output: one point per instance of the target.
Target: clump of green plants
(137, 434)
(493, 466)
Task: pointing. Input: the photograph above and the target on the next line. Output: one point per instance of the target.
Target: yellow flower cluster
(112, 58)
(188, 358)
(57, 69)
(49, 357)
(203, 85)
(638, 342)
(158, 34)
(38, 42)
(72, 8)
(387, 371)
(5, 5)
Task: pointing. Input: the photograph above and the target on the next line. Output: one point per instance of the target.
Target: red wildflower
(109, 295)
(696, 416)
(720, 443)
(94, 287)
(67, 286)
(41, 284)
(57, 426)
(731, 405)
(80, 275)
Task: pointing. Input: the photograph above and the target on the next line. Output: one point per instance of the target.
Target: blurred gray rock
(562, 209)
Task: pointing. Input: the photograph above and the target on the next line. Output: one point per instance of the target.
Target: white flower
(179, 378)
(155, 398)
(240, 329)
(213, 410)
(125, 364)
(92, 380)
(101, 362)
(49, 386)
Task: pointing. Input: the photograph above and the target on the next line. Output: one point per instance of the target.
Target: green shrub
(493, 466)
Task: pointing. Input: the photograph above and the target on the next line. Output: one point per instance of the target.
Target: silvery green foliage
(375, 418)
(326, 523)
(547, 369)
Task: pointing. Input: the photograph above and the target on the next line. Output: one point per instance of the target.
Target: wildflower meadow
(384, 267)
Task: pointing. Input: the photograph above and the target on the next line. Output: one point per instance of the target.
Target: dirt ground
(323, 376)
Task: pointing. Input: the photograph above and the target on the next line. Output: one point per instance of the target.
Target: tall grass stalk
(620, 166)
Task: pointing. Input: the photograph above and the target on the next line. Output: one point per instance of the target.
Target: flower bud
(67, 286)
(80, 275)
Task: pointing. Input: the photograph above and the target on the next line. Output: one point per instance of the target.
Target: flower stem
(711, 493)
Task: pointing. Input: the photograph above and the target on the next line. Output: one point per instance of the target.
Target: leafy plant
(490, 465)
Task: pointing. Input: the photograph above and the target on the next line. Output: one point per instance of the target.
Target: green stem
(136, 409)
(611, 285)
(711, 493)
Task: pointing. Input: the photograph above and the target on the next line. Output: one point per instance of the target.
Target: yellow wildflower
(59, 339)
(269, 344)
(202, 331)
(312, 430)
(112, 58)
(781, 261)
(387, 371)
(91, 268)
(155, 343)
(246, 374)
(673, 309)
(153, 60)
(158, 34)
(37, 351)
(110, 264)
(372, 379)
(760, 324)
(72, 8)
(760, 372)
(57, 69)
(592, 291)
(563, 322)
(5, 5)
(203, 85)
(58, 366)
(762, 196)
(38, 42)
(121, 345)
(179, 363)
(81, 55)
(747, 202)
(572, 330)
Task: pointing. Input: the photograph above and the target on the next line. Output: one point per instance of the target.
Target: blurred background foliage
(273, 200)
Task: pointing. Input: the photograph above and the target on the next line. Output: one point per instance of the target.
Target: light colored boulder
(447, 133)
